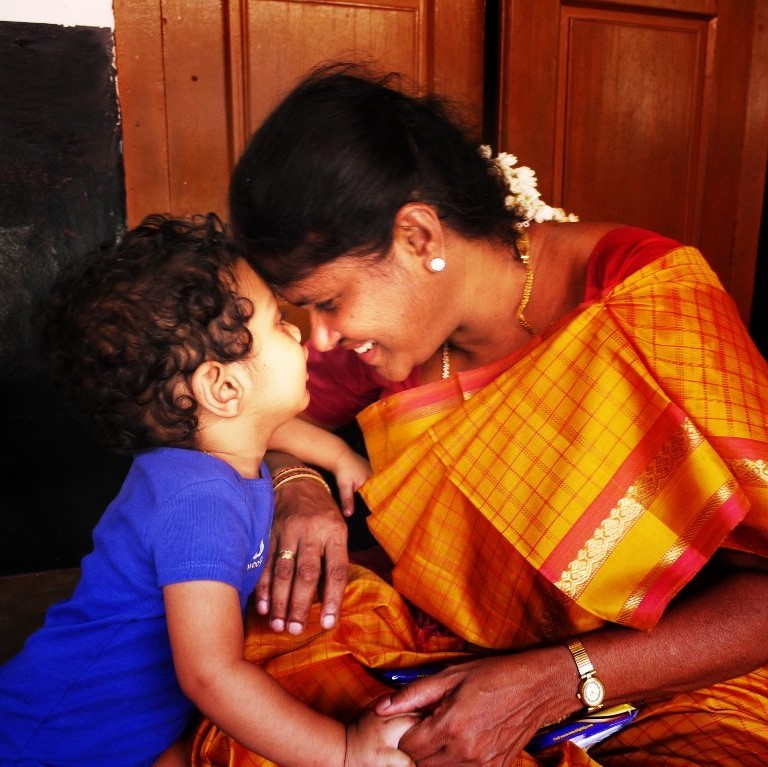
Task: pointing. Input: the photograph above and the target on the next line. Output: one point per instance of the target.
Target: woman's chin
(392, 374)
(381, 361)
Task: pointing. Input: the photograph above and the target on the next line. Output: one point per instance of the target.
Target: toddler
(178, 353)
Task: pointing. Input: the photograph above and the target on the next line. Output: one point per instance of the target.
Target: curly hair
(126, 329)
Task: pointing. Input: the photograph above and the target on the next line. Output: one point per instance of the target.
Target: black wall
(61, 194)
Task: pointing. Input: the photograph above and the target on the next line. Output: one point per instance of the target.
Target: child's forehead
(250, 285)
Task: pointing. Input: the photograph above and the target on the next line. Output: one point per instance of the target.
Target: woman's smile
(364, 347)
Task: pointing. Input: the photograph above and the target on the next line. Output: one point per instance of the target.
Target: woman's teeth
(363, 348)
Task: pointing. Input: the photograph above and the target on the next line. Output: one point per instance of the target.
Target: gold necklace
(524, 253)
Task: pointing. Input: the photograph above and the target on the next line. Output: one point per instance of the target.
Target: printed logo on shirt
(257, 559)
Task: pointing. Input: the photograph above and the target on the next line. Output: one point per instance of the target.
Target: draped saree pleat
(585, 479)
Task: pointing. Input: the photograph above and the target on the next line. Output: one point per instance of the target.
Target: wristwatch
(591, 691)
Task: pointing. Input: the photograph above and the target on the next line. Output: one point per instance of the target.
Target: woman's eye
(325, 306)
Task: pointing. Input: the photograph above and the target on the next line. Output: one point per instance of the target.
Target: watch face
(592, 692)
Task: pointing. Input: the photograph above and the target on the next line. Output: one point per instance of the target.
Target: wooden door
(196, 77)
(646, 112)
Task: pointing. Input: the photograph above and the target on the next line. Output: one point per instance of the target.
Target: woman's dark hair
(127, 327)
(328, 170)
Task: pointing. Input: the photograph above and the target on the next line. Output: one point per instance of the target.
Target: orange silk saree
(584, 480)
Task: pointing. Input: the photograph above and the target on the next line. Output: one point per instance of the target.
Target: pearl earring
(436, 264)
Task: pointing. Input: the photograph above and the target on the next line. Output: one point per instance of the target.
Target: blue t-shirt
(96, 685)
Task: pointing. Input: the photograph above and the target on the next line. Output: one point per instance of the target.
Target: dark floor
(23, 602)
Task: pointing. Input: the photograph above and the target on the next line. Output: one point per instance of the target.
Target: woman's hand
(307, 522)
(484, 712)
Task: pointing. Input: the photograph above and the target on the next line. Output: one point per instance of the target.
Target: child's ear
(218, 388)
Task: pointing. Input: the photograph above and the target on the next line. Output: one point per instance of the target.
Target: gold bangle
(284, 476)
(291, 470)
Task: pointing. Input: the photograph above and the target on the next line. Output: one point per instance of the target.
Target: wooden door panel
(197, 118)
(620, 109)
(196, 77)
(173, 92)
(638, 112)
(391, 32)
(141, 92)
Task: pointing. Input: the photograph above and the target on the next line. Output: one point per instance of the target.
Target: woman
(567, 426)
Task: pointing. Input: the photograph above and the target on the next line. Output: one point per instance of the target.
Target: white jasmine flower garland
(524, 197)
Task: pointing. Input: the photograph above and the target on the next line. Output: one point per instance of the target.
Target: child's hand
(350, 470)
(372, 740)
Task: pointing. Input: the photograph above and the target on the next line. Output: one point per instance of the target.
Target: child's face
(278, 361)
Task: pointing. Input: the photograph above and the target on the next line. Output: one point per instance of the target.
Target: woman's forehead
(327, 280)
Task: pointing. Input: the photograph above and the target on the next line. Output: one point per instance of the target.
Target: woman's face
(383, 309)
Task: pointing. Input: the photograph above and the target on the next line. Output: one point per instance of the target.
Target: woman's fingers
(284, 564)
(418, 695)
(308, 526)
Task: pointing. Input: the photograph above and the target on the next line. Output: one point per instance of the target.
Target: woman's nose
(324, 337)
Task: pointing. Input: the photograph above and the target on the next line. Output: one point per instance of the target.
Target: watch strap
(583, 663)
(591, 691)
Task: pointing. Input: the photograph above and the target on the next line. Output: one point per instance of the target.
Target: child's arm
(206, 630)
(312, 444)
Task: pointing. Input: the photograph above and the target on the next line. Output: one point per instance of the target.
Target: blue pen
(399, 677)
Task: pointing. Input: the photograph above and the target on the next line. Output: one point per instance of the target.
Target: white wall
(67, 13)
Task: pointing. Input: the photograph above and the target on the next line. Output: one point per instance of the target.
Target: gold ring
(286, 554)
